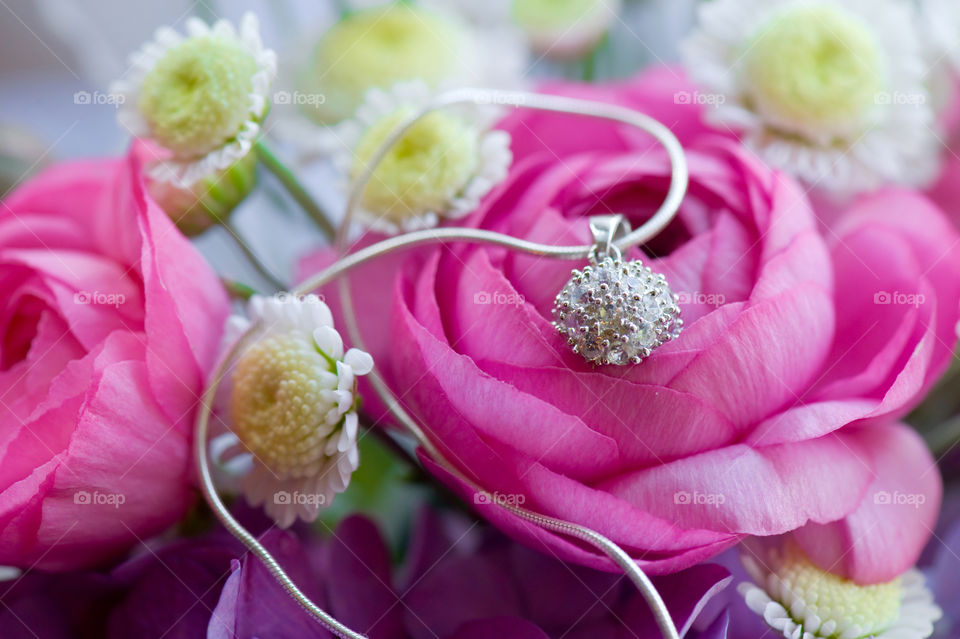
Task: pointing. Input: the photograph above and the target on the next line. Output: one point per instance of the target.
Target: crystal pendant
(616, 312)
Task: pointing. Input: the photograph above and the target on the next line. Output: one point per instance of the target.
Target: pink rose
(776, 409)
(110, 322)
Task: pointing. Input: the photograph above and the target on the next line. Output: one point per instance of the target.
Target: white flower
(833, 93)
(441, 168)
(800, 601)
(201, 97)
(292, 408)
(398, 42)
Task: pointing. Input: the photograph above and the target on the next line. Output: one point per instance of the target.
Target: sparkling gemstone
(616, 312)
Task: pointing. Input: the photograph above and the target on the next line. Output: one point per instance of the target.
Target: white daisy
(833, 93)
(292, 408)
(441, 168)
(201, 97)
(800, 601)
(397, 42)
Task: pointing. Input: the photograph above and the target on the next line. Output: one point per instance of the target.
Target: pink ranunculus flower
(109, 324)
(775, 410)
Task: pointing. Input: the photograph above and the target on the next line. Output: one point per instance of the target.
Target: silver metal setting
(615, 311)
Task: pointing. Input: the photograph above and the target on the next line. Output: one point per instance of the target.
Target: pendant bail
(606, 230)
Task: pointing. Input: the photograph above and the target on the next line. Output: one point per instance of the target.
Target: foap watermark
(296, 498)
(896, 498)
(502, 499)
(310, 298)
(696, 498)
(696, 297)
(99, 298)
(501, 98)
(896, 298)
(900, 98)
(299, 98)
(96, 498)
(699, 97)
(99, 97)
(486, 298)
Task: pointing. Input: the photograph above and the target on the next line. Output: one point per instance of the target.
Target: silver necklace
(613, 312)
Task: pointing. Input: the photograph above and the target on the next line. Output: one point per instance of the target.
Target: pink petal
(185, 305)
(884, 536)
(634, 530)
(880, 251)
(95, 295)
(772, 366)
(458, 393)
(763, 491)
(651, 424)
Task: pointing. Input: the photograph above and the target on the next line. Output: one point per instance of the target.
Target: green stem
(588, 71)
(942, 402)
(254, 260)
(296, 190)
(388, 442)
(942, 437)
(237, 290)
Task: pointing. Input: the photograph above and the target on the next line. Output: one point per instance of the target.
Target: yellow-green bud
(378, 48)
(427, 167)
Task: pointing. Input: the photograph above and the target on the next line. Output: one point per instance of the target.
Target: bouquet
(452, 320)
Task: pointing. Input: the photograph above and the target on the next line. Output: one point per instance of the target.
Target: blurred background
(50, 49)
(58, 58)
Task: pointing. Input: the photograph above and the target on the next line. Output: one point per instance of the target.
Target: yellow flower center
(814, 70)
(427, 167)
(872, 608)
(197, 96)
(378, 48)
(277, 408)
(550, 14)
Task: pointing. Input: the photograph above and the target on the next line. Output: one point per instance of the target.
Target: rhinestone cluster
(616, 312)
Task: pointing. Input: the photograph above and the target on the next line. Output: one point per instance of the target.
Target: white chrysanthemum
(833, 93)
(292, 408)
(441, 168)
(398, 42)
(800, 601)
(565, 28)
(201, 96)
